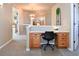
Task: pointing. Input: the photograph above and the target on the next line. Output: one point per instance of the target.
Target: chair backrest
(49, 35)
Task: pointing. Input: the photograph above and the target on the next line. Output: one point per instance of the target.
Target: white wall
(65, 19)
(25, 19)
(5, 24)
(65, 16)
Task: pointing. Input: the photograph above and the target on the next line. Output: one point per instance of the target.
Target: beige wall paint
(24, 19)
(65, 16)
(48, 17)
(5, 24)
(51, 17)
(20, 15)
(21, 21)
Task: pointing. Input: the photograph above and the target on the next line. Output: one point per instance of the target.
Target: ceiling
(35, 6)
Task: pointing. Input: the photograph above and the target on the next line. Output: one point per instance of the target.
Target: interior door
(75, 26)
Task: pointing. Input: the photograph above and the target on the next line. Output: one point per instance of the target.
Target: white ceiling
(35, 6)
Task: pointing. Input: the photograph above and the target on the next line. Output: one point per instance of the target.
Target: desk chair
(48, 36)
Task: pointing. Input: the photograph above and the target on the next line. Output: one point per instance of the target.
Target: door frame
(72, 40)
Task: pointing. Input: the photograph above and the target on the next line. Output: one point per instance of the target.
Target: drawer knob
(62, 38)
(62, 43)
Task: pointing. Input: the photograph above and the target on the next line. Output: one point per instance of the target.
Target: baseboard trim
(5, 44)
(20, 37)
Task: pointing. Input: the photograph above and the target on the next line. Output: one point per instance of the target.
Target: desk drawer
(36, 46)
(62, 33)
(62, 39)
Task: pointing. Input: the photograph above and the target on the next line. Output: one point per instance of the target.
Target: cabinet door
(62, 40)
(34, 40)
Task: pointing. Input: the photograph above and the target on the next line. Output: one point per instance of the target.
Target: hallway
(18, 48)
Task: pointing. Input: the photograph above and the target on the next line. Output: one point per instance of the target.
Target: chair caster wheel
(44, 49)
(52, 49)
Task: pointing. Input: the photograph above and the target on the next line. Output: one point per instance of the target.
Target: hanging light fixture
(32, 15)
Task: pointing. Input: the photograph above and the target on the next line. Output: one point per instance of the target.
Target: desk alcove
(34, 39)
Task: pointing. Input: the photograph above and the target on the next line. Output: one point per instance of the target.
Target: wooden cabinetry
(62, 40)
(34, 40)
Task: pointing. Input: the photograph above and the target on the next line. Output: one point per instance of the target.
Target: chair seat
(48, 36)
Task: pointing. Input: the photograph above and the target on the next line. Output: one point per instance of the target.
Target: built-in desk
(34, 32)
(35, 35)
(61, 40)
